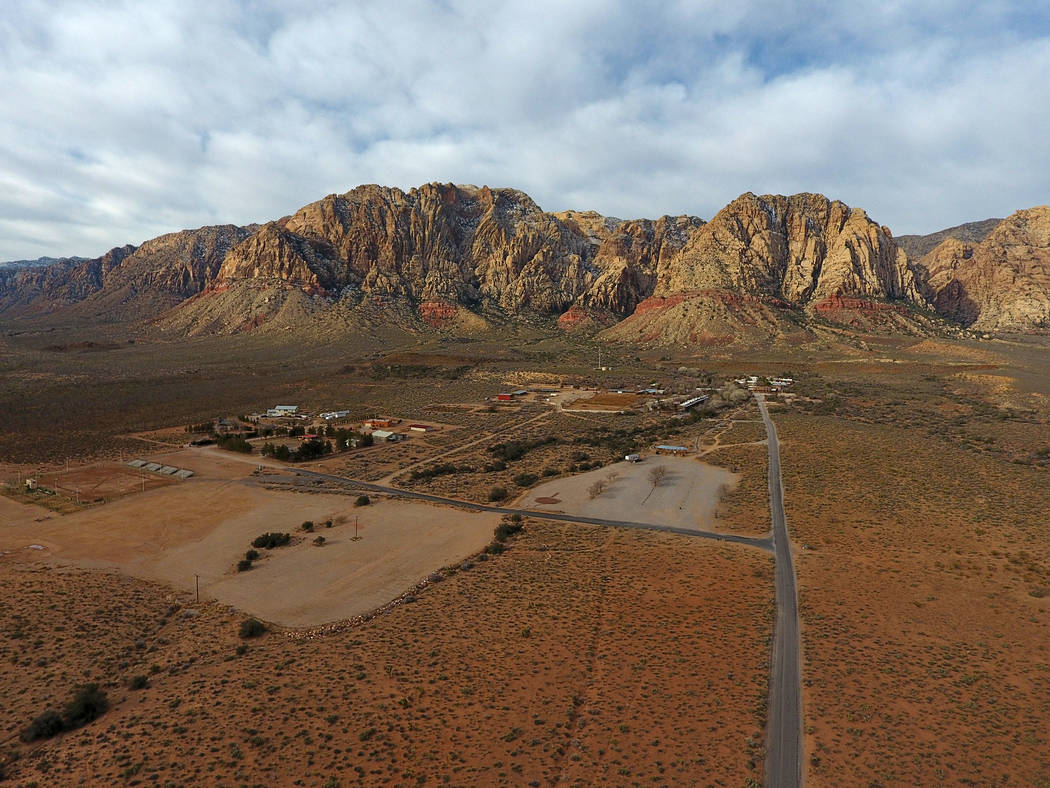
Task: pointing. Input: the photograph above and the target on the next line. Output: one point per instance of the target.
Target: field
(202, 528)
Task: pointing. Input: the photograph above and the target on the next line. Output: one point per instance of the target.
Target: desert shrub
(515, 450)
(526, 479)
(495, 548)
(444, 469)
(657, 475)
(318, 541)
(138, 682)
(308, 526)
(551, 471)
(45, 726)
(362, 500)
(251, 555)
(507, 528)
(493, 467)
(244, 565)
(87, 705)
(270, 540)
(498, 494)
(251, 628)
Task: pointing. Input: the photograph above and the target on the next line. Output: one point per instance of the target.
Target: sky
(120, 121)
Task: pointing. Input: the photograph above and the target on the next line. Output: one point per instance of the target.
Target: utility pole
(197, 583)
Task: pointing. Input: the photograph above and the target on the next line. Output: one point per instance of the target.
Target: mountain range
(461, 257)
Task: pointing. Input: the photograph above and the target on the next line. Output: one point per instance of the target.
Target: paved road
(784, 737)
(764, 544)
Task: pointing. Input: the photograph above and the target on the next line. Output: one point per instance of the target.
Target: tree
(657, 475)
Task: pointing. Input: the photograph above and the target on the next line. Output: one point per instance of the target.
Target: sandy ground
(204, 527)
(687, 497)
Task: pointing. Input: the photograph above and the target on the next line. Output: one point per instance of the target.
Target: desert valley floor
(402, 649)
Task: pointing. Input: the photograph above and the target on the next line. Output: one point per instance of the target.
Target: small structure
(693, 402)
(378, 423)
(185, 473)
(152, 466)
(677, 451)
(335, 414)
(168, 470)
(421, 428)
(136, 463)
(387, 435)
(282, 410)
(507, 396)
(633, 458)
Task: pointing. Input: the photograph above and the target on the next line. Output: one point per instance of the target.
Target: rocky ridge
(999, 284)
(459, 257)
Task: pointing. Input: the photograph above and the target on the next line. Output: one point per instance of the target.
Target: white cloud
(122, 120)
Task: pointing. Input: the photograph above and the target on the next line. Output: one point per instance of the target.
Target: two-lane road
(784, 734)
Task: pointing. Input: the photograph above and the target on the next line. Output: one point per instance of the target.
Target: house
(387, 435)
(677, 451)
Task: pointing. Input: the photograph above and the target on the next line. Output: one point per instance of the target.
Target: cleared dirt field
(686, 497)
(582, 656)
(606, 402)
(204, 528)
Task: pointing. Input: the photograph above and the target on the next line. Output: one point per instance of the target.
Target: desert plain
(402, 650)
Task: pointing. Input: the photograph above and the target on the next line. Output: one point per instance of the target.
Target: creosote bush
(271, 540)
(251, 628)
(362, 500)
(498, 494)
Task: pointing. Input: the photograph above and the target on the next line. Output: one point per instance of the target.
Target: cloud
(123, 120)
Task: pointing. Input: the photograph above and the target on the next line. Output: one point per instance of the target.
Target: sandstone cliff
(999, 284)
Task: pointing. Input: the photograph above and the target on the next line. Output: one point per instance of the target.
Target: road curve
(784, 734)
(750, 541)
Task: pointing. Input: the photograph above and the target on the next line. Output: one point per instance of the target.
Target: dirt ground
(581, 656)
(687, 497)
(203, 527)
(925, 604)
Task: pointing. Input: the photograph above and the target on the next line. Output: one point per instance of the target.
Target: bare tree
(657, 475)
(596, 489)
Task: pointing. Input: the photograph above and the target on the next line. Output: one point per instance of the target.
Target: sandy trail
(687, 497)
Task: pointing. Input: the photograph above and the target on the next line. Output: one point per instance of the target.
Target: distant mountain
(971, 232)
(460, 257)
(40, 262)
(999, 284)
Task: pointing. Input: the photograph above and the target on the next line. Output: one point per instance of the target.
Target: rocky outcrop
(999, 284)
(766, 264)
